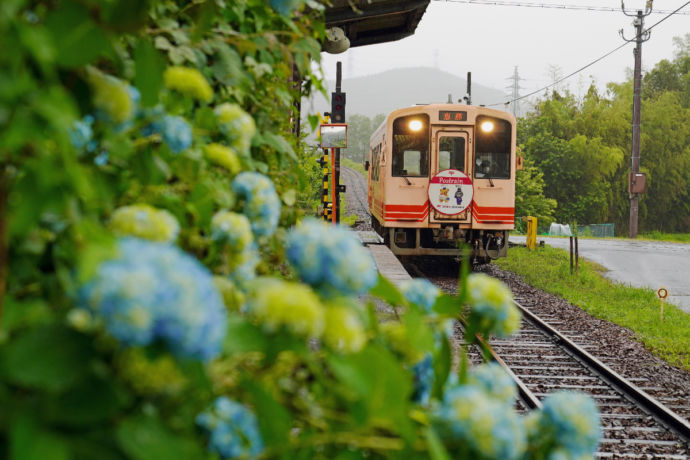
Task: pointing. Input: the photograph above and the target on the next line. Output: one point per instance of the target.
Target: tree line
(577, 152)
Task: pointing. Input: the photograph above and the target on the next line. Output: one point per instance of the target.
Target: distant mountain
(397, 88)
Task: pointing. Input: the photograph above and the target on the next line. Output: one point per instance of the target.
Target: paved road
(651, 264)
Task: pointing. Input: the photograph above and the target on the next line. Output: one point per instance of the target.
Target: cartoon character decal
(443, 195)
(450, 192)
(458, 195)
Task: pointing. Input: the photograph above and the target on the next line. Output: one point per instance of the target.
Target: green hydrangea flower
(237, 125)
(144, 221)
(233, 297)
(276, 303)
(188, 81)
(344, 331)
(223, 156)
(232, 228)
(111, 95)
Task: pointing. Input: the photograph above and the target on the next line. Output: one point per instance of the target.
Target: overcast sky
(490, 40)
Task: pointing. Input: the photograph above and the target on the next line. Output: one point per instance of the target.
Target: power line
(550, 6)
(587, 65)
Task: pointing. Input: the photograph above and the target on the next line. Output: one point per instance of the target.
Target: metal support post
(641, 36)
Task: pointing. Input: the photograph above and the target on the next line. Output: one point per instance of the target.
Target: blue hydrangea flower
(102, 158)
(493, 311)
(573, 421)
(243, 265)
(154, 291)
(470, 418)
(81, 134)
(330, 258)
(135, 96)
(564, 454)
(423, 372)
(175, 132)
(262, 205)
(285, 7)
(420, 291)
(495, 381)
(233, 429)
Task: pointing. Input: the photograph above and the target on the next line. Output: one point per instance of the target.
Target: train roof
(472, 110)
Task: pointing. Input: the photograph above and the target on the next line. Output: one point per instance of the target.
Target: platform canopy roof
(375, 21)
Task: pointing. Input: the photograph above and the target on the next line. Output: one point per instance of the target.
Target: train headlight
(416, 125)
(487, 126)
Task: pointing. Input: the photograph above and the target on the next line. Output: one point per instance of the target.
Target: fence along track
(635, 425)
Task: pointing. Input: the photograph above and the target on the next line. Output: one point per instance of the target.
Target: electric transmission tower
(515, 92)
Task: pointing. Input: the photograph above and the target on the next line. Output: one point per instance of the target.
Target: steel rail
(649, 403)
(526, 394)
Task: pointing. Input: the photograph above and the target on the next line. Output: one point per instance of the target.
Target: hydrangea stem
(4, 191)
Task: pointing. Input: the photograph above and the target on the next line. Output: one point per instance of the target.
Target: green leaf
(47, 357)
(21, 314)
(447, 305)
(147, 438)
(274, 420)
(388, 292)
(437, 450)
(419, 334)
(243, 336)
(149, 66)
(381, 387)
(162, 43)
(279, 143)
(77, 38)
(28, 441)
(313, 121)
(91, 401)
(126, 15)
(465, 270)
(442, 365)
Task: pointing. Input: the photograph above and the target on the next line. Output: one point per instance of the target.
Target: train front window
(492, 149)
(451, 153)
(411, 146)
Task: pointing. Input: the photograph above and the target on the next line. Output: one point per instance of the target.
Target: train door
(451, 150)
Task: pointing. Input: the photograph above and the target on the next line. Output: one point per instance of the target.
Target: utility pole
(641, 36)
(515, 92)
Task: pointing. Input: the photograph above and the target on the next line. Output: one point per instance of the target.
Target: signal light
(338, 107)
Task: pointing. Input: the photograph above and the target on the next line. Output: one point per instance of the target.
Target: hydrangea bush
(161, 296)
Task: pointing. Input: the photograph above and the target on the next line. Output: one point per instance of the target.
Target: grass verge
(671, 237)
(634, 308)
(353, 165)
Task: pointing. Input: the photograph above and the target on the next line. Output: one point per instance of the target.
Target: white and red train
(441, 175)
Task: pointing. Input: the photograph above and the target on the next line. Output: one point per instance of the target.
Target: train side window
(492, 149)
(411, 146)
(451, 153)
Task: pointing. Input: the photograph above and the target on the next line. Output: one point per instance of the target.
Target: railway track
(635, 425)
(543, 360)
(356, 197)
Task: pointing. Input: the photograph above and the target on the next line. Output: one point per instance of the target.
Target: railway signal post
(333, 137)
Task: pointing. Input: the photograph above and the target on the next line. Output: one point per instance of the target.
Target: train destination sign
(450, 192)
(452, 115)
